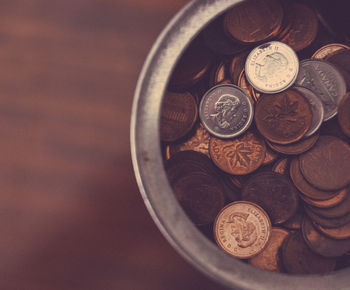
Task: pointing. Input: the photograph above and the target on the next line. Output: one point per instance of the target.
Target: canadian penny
(328, 50)
(304, 187)
(268, 259)
(239, 156)
(270, 156)
(338, 210)
(242, 229)
(226, 111)
(198, 141)
(316, 109)
(325, 81)
(274, 193)
(283, 118)
(298, 258)
(296, 148)
(254, 20)
(333, 201)
(327, 164)
(340, 233)
(272, 67)
(281, 166)
(327, 222)
(192, 66)
(178, 115)
(321, 244)
(303, 26)
(344, 114)
(200, 198)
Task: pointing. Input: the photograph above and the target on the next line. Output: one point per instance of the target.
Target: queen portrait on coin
(271, 65)
(225, 108)
(243, 231)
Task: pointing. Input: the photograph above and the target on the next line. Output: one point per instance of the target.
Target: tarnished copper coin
(242, 229)
(178, 115)
(254, 20)
(270, 156)
(299, 259)
(272, 67)
(340, 233)
(344, 114)
(274, 193)
(333, 201)
(316, 109)
(199, 142)
(192, 66)
(226, 111)
(238, 156)
(327, 222)
(268, 259)
(283, 118)
(303, 26)
(304, 187)
(200, 196)
(296, 148)
(328, 50)
(281, 166)
(321, 244)
(325, 81)
(339, 210)
(327, 164)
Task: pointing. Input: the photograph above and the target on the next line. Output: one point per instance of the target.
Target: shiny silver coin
(325, 81)
(226, 111)
(272, 67)
(316, 109)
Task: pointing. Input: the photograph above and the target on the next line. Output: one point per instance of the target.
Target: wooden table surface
(71, 213)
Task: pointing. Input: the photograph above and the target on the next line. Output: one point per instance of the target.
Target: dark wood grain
(71, 216)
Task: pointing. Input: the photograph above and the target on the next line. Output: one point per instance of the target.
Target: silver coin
(316, 109)
(226, 111)
(325, 81)
(272, 67)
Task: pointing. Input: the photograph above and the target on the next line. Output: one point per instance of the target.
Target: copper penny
(198, 141)
(340, 233)
(218, 41)
(304, 187)
(341, 61)
(237, 65)
(272, 67)
(226, 111)
(219, 74)
(281, 166)
(268, 259)
(303, 26)
(338, 210)
(254, 20)
(299, 259)
(325, 80)
(328, 50)
(274, 193)
(296, 148)
(200, 197)
(192, 66)
(294, 223)
(283, 118)
(248, 88)
(327, 222)
(344, 114)
(238, 156)
(178, 115)
(327, 164)
(322, 244)
(270, 156)
(333, 201)
(242, 229)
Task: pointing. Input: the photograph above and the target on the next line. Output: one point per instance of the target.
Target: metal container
(152, 180)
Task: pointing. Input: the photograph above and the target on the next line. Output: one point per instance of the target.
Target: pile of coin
(255, 127)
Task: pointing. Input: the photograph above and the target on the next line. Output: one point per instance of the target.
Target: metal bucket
(152, 180)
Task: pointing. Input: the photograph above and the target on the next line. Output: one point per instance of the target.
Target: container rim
(153, 183)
